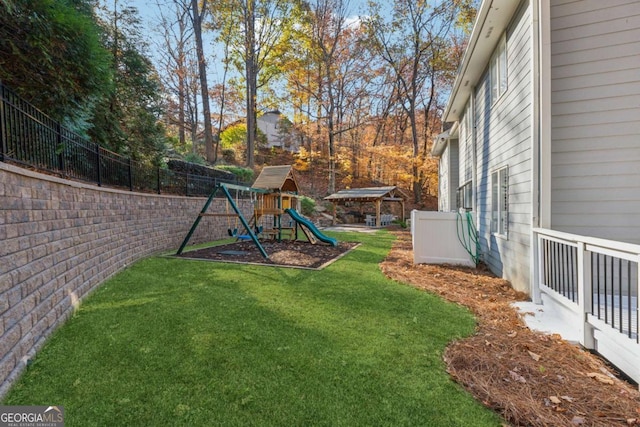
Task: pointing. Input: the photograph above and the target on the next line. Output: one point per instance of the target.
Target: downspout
(541, 136)
(474, 160)
(534, 276)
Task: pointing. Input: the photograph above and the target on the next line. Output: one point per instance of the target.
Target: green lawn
(180, 342)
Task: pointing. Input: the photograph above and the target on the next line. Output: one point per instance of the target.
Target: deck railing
(592, 285)
(596, 278)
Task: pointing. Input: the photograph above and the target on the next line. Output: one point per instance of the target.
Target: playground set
(273, 194)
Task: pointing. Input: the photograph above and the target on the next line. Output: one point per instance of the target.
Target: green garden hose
(468, 236)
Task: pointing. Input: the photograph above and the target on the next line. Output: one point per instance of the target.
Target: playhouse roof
(277, 178)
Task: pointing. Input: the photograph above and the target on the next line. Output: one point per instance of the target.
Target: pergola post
(378, 204)
(333, 220)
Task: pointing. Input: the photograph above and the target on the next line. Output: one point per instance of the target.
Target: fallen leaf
(577, 420)
(555, 400)
(602, 378)
(512, 334)
(567, 398)
(517, 377)
(534, 356)
(632, 421)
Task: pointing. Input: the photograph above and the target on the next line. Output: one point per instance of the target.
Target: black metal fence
(30, 138)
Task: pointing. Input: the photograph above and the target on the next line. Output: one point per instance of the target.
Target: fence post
(60, 148)
(158, 178)
(585, 293)
(3, 129)
(536, 296)
(130, 174)
(637, 284)
(98, 167)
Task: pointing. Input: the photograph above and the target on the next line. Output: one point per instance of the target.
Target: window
(465, 197)
(499, 71)
(500, 201)
(468, 144)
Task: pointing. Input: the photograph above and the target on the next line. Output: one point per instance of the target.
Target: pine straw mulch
(530, 378)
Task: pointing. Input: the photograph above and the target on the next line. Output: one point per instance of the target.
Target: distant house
(544, 149)
(278, 130)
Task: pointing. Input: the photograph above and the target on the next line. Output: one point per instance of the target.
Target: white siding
(466, 150)
(444, 183)
(448, 177)
(595, 108)
(504, 139)
(454, 165)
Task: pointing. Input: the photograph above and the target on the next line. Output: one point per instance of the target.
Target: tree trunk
(202, 71)
(415, 170)
(252, 80)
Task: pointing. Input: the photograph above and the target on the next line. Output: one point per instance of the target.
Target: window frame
(499, 71)
(464, 197)
(500, 202)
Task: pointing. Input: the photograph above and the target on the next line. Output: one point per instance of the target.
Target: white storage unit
(435, 238)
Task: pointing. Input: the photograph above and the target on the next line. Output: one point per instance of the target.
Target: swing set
(274, 193)
(233, 232)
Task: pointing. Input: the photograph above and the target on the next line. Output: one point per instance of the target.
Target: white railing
(594, 282)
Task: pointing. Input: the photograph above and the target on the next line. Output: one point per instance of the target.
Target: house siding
(504, 139)
(465, 152)
(444, 181)
(448, 177)
(595, 125)
(454, 159)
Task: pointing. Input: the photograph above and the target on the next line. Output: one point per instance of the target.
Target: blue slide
(308, 225)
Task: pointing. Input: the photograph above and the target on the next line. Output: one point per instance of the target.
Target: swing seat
(233, 233)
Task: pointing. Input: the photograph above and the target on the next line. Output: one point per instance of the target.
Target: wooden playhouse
(281, 193)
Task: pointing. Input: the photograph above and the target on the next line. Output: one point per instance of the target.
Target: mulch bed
(530, 378)
(285, 253)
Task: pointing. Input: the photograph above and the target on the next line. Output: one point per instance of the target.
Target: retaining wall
(60, 239)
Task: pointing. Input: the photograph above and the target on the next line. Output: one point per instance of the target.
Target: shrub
(308, 205)
(242, 174)
(194, 158)
(229, 155)
(400, 222)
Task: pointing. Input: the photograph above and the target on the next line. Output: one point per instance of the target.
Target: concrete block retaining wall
(60, 239)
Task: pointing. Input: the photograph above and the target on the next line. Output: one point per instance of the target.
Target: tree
(225, 37)
(255, 47)
(127, 119)
(51, 54)
(176, 34)
(197, 17)
(330, 70)
(329, 22)
(412, 43)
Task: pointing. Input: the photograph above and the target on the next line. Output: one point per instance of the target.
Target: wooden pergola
(375, 195)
